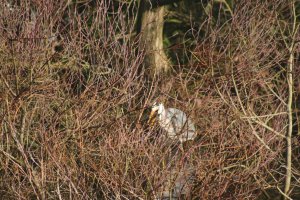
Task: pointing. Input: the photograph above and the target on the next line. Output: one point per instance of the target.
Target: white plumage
(174, 122)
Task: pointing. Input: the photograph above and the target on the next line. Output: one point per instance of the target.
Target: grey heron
(174, 121)
(179, 127)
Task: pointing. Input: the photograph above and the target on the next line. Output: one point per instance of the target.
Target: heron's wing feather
(178, 119)
(182, 126)
(174, 124)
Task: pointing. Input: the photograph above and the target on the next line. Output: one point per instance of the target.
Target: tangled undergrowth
(74, 99)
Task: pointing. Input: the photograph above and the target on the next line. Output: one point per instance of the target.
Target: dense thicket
(75, 95)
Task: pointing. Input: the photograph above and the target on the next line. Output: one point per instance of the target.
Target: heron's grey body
(178, 126)
(176, 123)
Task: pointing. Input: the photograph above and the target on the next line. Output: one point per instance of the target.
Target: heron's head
(157, 109)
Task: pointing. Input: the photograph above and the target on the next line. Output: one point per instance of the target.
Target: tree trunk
(152, 24)
(290, 81)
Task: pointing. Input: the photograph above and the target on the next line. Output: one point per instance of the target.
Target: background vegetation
(76, 88)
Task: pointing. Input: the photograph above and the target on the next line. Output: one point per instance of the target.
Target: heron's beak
(152, 118)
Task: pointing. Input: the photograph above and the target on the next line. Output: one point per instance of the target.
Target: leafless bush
(246, 107)
(74, 100)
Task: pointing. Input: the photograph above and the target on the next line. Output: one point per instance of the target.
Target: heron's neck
(161, 111)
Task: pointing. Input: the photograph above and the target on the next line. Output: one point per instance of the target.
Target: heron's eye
(154, 105)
